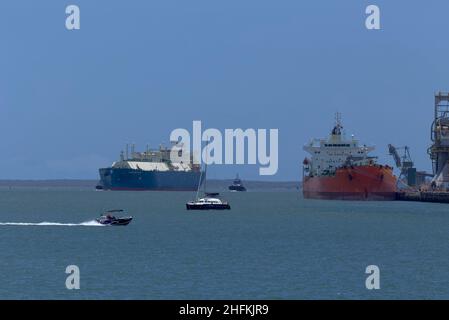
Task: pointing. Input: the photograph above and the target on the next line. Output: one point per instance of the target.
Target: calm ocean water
(271, 245)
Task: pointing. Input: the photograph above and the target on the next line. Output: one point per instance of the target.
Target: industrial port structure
(437, 189)
(439, 150)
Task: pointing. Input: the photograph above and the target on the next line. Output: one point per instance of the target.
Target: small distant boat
(237, 185)
(210, 201)
(109, 219)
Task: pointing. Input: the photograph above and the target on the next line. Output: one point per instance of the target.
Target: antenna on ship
(338, 119)
(338, 126)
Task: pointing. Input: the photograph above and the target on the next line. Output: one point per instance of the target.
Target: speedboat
(209, 202)
(109, 219)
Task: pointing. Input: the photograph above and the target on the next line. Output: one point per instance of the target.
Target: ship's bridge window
(337, 145)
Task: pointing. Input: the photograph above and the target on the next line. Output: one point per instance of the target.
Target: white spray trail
(91, 223)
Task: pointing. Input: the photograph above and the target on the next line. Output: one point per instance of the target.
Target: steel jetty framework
(437, 189)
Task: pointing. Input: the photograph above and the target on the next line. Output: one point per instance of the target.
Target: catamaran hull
(190, 206)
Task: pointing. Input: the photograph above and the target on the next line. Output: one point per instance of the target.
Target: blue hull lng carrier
(150, 170)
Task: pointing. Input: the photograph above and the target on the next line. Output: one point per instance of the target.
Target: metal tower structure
(404, 163)
(439, 150)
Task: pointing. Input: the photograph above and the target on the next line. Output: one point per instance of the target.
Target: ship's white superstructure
(336, 151)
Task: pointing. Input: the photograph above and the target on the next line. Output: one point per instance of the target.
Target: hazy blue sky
(70, 100)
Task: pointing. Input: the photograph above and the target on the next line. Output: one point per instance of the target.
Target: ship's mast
(338, 119)
(338, 126)
(205, 167)
(201, 173)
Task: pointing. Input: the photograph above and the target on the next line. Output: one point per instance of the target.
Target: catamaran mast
(205, 167)
(201, 174)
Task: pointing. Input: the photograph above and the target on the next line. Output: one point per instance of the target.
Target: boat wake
(91, 223)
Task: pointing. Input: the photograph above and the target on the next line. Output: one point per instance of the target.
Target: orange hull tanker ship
(342, 170)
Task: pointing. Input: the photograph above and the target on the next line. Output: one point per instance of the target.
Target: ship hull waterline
(139, 180)
(354, 183)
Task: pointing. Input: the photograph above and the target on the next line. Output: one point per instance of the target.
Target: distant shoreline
(81, 183)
